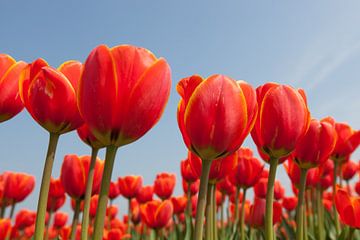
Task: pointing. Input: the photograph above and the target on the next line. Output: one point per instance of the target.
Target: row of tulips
(120, 93)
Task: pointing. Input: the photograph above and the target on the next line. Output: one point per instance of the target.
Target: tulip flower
(111, 212)
(260, 189)
(122, 95)
(156, 214)
(357, 188)
(257, 211)
(74, 174)
(17, 186)
(56, 198)
(347, 142)
(10, 102)
(214, 116)
(60, 220)
(46, 92)
(145, 194)
(24, 218)
(348, 170)
(164, 185)
(186, 172)
(179, 204)
(289, 203)
(348, 208)
(114, 191)
(5, 228)
(282, 121)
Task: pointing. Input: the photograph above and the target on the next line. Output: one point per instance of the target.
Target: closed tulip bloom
(219, 167)
(316, 145)
(93, 205)
(289, 203)
(257, 211)
(46, 91)
(348, 140)
(5, 228)
(122, 92)
(114, 191)
(130, 186)
(24, 218)
(156, 214)
(88, 138)
(60, 220)
(186, 171)
(164, 185)
(293, 170)
(225, 186)
(179, 204)
(348, 208)
(145, 194)
(283, 119)
(55, 204)
(17, 186)
(135, 211)
(194, 187)
(247, 171)
(260, 189)
(112, 211)
(357, 188)
(348, 170)
(56, 188)
(74, 172)
(10, 102)
(215, 114)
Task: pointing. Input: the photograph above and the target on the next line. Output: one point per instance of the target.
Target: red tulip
(348, 170)
(145, 194)
(260, 189)
(226, 187)
(114, 191)
(87, 137)
(348, 208)
(56, 189)
(186, 172)
(93, 206)
(247, 171)
(194, 187)
(135, 211)
(215, 114)
(293, 170)
(164, 185)
(219, 198)
(289, 203)
(219, 167)
(5, 224)
(348, 140)
(17, 186)
(257, 212)
(46, 92)
(282, 121)
(60, 220)
(55, 204)
(117, 234)
(130, 186)
(10, 102)
(317, 144)
(74, 172)
(357, 188)
(156, 214)
(123, 92)
(24, 218)
(179, 204)
(112, 211)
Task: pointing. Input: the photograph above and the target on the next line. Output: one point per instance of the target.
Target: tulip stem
(88, 192)
(208, 215)
(336, 217)
(222, 220)
(188, 217)
(269, 199)
(12, 210)
(75, 219)
(320, 213)
(200, 209)
(242, 218)
(214, 215)
(104, 191)
(300, 206)
(3, 209)
(47, 225)
(44, 188)
(129, 216)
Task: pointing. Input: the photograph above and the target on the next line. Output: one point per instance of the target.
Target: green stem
(319, 213)
(3, 209)
(199, 219)
(104, 191)
(75, 219)
(188, 217)
(129, 217)
(351, 233)
(300, 206)
(214, 215)
(336, 217)
(269, 200)
(44, 188)
(47, 225)
(208, 214)
(88, 191)
(12, 210)
(242, 218)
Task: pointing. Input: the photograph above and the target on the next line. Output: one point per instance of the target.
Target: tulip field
(117, 95)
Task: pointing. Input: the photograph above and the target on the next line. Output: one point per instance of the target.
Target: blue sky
(314, 45)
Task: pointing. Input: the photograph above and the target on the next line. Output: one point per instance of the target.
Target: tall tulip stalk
(122, 94)
(282, 121)
(214, 116)
(45, 92)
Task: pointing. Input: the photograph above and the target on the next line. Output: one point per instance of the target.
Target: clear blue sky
(310, 44)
